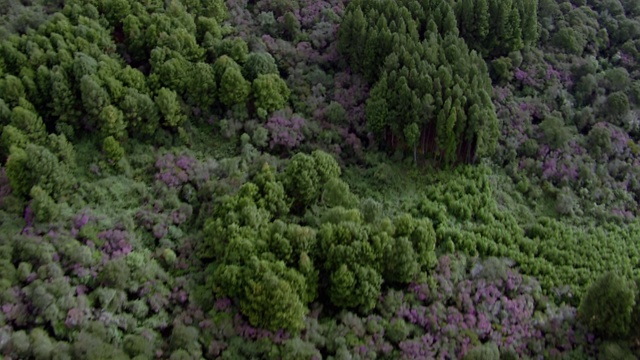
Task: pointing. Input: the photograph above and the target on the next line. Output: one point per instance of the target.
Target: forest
(319, 179)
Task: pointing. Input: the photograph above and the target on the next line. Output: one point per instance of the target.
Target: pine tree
(529, 16)
(94, 97)
(169, 105)
(234, 89)
(449, 24)
(513, 36)
(482, 19)
(202, 85)
(376, 109)
(412, 136)
(467, 19)
(29, 123)
(451, 143)
(111, 122)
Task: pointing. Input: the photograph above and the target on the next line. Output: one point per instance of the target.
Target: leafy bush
(607, 306)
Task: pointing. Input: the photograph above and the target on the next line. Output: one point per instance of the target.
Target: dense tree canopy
(302, 179)
(424, 74)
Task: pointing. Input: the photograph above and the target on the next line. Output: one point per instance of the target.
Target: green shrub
(607, 306)
(487, 351)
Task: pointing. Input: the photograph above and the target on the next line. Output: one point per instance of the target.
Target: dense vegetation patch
(319, 179)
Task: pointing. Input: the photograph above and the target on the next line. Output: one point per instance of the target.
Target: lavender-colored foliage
(481, 307)
(351, 91)
(176, 170)
(116, 243)
(286, 129)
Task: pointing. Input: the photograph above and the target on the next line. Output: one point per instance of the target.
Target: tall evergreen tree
(482, 19)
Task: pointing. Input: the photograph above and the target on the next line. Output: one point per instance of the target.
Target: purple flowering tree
(285, 129)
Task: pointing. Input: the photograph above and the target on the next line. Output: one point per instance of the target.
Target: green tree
(569, 40)
(270, 92)
(412, 137)
(529, 16)
(137, 345)
(202, 89)
(482, 19)
(607, 306)
(140, 112)
(169, 106)
(259, 63)
(617, 105)
(301, 180)
(111, 122)
(208, 25)
(29, 123)
(488, 351)
(400, 261)
(599, 140)
(449, 24)
(12, 89)
(84, 64)
(616, 79)
(514, 31)
(12, 136)
(44, 207)
(5, 113)
(352, 30)
(376, 109)
(466, 14)
(94, 97)
(343, 282)
(221, 65)
(451, 142)
(186, 338)
(112, 149)
(337, 193)
(35, 165)
(326, 165)
(502, 69)
(174, 74)
(216, 9)
(291, 26)
(62, 149)
(41, 344)
(63, 102)
(115, 10)
(234, 89)
(272, 193)
(236, 48)
(271, 302)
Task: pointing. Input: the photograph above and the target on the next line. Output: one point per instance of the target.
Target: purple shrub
(528, 76)
(311, 12)
(223, 304)
(479, 308)
(169, 172)
(75, 317)
(116, 243)
(177, 170)
(286, 129)
(552, 73)
(627, 60)
(502, 93)
(520, 74)
(351, 141)
(351, 91)
(81, 220)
